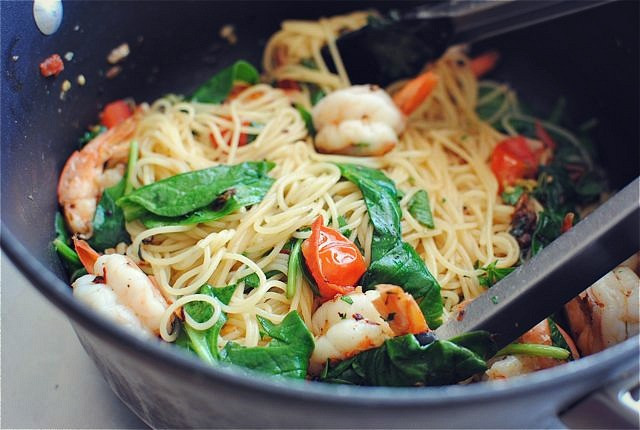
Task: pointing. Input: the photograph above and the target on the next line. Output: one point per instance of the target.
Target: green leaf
(392, 260)
(182, 195)
(252, 281)
(108, 221)
(512, 196)
(548, 228)
(420, 209)
(217, 88)
(287, 354)
(557, 339)
(295, 259)
(493, 274)
(204, 343)
(316, 95)
(62, 245)
(307, 118)
(402, 361)
(403, 266)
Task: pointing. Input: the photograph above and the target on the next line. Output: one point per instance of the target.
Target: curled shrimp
(118, 289)
(350, 324)
(89, 171)
(360, 120)
(607, 312)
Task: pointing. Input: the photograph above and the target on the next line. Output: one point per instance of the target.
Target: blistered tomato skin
(333, 260)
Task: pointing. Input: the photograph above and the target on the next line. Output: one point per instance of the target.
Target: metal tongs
(399, 44)
(558, 273)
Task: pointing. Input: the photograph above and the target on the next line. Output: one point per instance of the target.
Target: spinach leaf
(252, 281)
(316, 95)
(108, 221)
(217, 88)
(548, 227)
(402, 361)
(62, 246)
(287, 354)
(557, 339)
(493, 274)
(420, 209)
(392, 260)
(380, 196)
(308, 120)
(244, 194)
(295, 260)
(403, 266)
(188, 192)
(204, 343)
(512, 196)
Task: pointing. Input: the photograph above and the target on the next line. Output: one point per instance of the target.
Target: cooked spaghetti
(444, 153)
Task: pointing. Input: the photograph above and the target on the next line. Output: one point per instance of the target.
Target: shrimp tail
(86, 253)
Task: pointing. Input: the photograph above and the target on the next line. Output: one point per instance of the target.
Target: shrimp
(514, 365)
(607, 312)
(84, 175)
(348, 325)
(120, 290)
(361, 120)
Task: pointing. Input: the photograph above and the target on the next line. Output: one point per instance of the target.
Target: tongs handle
(558, 273)
(480, 19)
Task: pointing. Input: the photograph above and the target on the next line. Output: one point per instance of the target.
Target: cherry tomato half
(513, 159)
(333, 260)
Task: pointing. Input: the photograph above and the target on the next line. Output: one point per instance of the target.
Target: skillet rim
(166, 356)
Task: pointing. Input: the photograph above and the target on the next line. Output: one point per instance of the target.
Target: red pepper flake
(460, 316)
(51, 66)
(357, 316)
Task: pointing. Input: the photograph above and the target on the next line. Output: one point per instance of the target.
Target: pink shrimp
(89, 171)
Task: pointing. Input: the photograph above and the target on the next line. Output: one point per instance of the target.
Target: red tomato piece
(114, 113)
(513, 159)
(333, 260)
(242, 140)
(51, 66)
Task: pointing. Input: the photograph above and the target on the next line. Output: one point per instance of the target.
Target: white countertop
(47, 379)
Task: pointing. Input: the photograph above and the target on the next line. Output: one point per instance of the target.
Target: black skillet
(592, 59)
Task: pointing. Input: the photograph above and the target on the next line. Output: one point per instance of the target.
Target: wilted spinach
(198, 196)
(62, 246)
(108, 221)
(403, 361)
(392, 260)
(218, 87)
(204, 343)
(420, 208)
(287, 354)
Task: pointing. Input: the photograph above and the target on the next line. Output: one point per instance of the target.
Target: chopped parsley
(347, 299)
(512, 196)
(493, 274)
